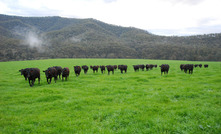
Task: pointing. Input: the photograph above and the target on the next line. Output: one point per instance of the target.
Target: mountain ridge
(24, 38)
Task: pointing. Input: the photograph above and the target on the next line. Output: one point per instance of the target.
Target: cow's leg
(55, 78)
(33, 81)
(39, 79)
(29, 82)
(50, 80)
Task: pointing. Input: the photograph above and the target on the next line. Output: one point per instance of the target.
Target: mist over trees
(26, 38)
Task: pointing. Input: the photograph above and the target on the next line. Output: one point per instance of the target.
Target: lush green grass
(136, 102)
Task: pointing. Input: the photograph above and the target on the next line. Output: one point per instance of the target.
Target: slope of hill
(24, 38)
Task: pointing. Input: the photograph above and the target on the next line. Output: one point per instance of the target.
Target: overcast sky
(162, 17)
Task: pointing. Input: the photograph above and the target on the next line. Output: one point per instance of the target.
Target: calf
(122, 68)
(206, 66)
(110, 68)
(164, 68)
(85, 68)
(200, 65)
(188, 67)
(59, 70)
(33, 73)
(102, 69)
(151, 66)
(147, 67)
(50, 73)
(65, 73)
(77, 70)
(136, 67)
(141, 67)
(24, 72)
(94, 68)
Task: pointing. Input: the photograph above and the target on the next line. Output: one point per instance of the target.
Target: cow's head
(21, 71)
(47, 72)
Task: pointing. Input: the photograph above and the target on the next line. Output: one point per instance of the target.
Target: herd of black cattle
(53, 72)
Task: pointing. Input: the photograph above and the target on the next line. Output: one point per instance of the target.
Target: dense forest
(26, 38)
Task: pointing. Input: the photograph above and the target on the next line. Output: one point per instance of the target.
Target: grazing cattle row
(53, 72)
(190, 67)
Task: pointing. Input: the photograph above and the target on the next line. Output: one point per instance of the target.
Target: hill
(24, 38)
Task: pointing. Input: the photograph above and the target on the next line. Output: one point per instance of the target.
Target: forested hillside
(24, 38)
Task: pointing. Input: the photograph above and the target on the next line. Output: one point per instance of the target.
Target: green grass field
(135, 102)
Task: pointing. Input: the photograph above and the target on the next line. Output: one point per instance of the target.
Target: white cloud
(176, 15)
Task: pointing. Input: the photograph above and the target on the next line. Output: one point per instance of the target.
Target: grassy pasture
(135, 102)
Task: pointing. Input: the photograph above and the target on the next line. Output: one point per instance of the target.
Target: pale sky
(161, 17)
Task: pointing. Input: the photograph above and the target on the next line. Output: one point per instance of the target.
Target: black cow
(196, 65)
(85, 68)
(164, 68)
(24, 72)
(187, 67)
(155, 65)
(33, 73)
(77, 70)
(102, 69)
(141, 67)
(59, 70)
(50, 73)
(110, 68)
(206, 66)
(147, 67)
(136, 67)
(65, 73)
(151, 66)
(122, 68)
(200, 65)
(94, 68)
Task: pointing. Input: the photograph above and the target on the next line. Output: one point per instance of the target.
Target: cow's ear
(43, 71)
(19, 70)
